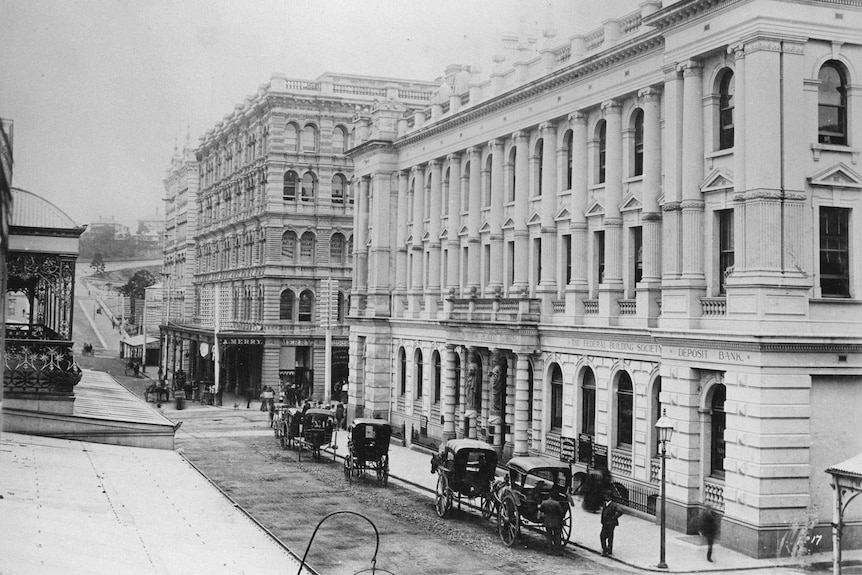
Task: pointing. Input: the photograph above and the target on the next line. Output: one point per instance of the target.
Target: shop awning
(846, 485)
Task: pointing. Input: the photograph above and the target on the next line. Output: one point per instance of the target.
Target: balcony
(508, 310)
(38, 363)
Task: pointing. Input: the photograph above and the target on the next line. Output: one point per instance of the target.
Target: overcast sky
(100, 91)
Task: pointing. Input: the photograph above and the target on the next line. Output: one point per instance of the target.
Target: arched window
(339, 140)
(306, 305)
(306, 248)
(309, 138)
(540, 165)
(288, 193)
(602, 141)
(260, 303)
(336, 249)
(402, 371)
(309, 187)
(285, 305)
(288, 247)
(832, 104)
(291, 138)
(556, 397)
(625, 411)
(435, 360)
(588, 403)
(567, 142)
(725, 111)
(339, 183)
(655, 413)
(717, 426)
(417, 374)
(638, 143)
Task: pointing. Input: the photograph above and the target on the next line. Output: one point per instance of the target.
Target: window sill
(719, 153)
(633, 179)
(818, 149)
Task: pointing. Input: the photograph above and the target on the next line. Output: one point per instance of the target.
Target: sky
(102, 91)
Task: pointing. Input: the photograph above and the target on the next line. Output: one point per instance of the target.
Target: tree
(135, 288)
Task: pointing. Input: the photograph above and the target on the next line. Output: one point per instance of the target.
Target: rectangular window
(537, 260)
(725, 247)
(638, 253)
(588, 409)
(567, 255)
(486, 266)
(510, 272)
(834, 252)
(600, 257)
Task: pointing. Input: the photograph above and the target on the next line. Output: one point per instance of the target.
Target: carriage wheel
(444, 497)
(487, 505)
(567, 526)
(508, 520)
(348, 468)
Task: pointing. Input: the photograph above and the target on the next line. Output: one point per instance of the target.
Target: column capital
(671, 72)
(691, 68)
(435, 163)
(737, 50)
(611, 107)
(401, 173)
(577, 117)
(495, 143)
(651, 94)
(473, 152)
(416, 170)
(520, 137)
(453, 157)
(547, 128)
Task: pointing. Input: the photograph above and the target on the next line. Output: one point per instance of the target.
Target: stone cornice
(569, 74)
(684, 11)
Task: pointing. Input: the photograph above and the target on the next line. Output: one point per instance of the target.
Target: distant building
(119, 230)
(264, 237)
(152, 227)
(661, 215)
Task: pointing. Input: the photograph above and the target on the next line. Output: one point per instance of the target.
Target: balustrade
(44, 367)
(621, 462)
(591, 307)
(628, 307)
(713, 493)
(713, 306)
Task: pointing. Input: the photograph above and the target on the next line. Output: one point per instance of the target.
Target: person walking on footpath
(611, 513)
(709, 525)
(339, 415)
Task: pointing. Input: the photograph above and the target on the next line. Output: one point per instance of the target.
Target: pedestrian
(551, 515)
(709, 526)
(248, 393)
(339, 415)
(611, 513)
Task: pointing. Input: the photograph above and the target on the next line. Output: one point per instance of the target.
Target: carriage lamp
(664, 427)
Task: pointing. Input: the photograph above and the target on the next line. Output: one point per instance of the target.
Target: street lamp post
(664, 426)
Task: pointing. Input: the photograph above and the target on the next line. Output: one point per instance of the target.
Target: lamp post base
(662, 565)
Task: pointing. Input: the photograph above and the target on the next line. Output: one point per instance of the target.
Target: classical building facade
(659, 216)
(260, 234)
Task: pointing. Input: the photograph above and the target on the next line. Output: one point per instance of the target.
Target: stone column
(401, 219)
(495, 222)
(497, 376)
(547, 288)
(474, 220)
(432, 292)
(448, 406)
(417, 231)
(522, 403)
(472, 387)
(522, 235)
(692, 172)
(649, 289)
(379, 279)
(671, 154)
(453, 269)
(578, 288)
(611, 289)
(361, 234)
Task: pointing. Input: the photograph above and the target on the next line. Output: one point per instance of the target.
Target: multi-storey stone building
(260, 235)
(661, 215)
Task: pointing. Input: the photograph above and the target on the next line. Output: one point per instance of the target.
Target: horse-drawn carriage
(466, 468)
(536, 488)
(316, 433)
(368, 449)
(287, 424)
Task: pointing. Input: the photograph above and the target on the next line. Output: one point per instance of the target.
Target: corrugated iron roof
(32, 211)
(852, 466)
